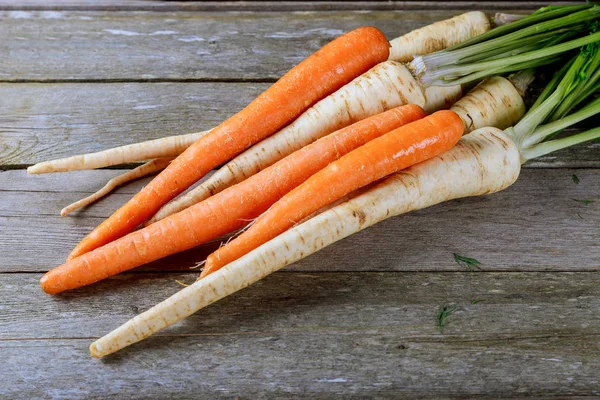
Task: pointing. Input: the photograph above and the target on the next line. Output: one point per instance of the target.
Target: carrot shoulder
(225, 211)
(394, 151)
(336, 64)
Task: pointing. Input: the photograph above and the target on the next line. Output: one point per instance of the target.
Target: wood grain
(39, 122)
(151, 46)
(535, 225)
(116, 5)
(47, 121)
(306, 335)
(358, 319)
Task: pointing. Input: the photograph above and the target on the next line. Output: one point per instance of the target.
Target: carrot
(439, 35)
(143, 170)
(396, 150)
(336, 64)
(225, 211)
(383, 87)
(170, 146)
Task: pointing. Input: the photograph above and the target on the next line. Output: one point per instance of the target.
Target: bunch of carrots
(339, 143)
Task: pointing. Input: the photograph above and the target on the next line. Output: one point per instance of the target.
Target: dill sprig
(446, 310)
(587, 202)
(470, 263)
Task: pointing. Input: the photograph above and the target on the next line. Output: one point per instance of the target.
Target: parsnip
(148, 168)
(166, 147)
(439, 36)
(494, 102)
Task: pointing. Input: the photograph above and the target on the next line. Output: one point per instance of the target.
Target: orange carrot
(225, 211)
(336, 64)
(394, 151)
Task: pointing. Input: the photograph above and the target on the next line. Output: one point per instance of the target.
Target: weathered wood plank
(115, 5)
(294, 302)
(534, 225)
(306, 335)
(86, 182)
(45, 121)
(71, 45)
(321, 365)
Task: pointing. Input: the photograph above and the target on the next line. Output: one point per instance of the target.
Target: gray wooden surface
(262, 5)
(498, 230)
(308, 335)
(42, 121)
(356, 320)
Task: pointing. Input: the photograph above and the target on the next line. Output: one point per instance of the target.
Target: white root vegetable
(170, 146)
(493, 102)
(439, 36)
(148, 168)
(483, 162)
(441, 97)
(385, 86)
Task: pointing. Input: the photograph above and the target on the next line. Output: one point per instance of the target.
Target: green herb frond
(443, 313)
(470, 263)
(586, 202)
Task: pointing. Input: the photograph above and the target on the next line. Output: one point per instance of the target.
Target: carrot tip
(209, 267)
(46, 284)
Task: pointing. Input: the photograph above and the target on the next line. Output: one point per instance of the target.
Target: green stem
(544, 131)
(558, 144)
(534, 118)
(532, 19)
(589, 92)
(448, 57)
(516, 47)
(552, 85)
(477, 76)
(498, 71)
(580, 93)
(432, 77)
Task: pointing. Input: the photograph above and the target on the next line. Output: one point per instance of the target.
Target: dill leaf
(446, 310)
(470, 263)
(587, 202)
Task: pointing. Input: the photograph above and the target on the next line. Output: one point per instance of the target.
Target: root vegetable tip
(94, 351)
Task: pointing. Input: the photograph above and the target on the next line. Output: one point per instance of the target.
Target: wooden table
(357, 319)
